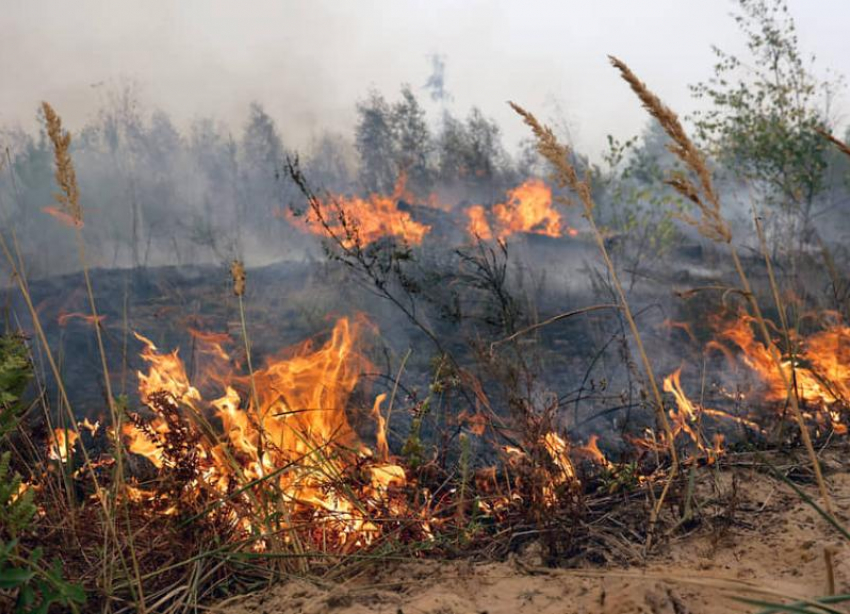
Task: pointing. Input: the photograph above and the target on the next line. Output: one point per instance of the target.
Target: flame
(528, 208)
(687, 417)
(91, 427)
(820, 369)
(478, 225)
(828, 352)
(552, 481)
(64, 318)
(167, 374)
(62, 444)
(591, 450)
(356, 221)
(558, 450)
(382, 445)
(65, 218)
(686, 413)
(289, 424)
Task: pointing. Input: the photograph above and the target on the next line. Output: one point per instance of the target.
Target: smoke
(306, 63)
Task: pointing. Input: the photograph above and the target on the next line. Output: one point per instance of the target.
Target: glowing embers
(528, 208)
(357, 222)
(284, 445)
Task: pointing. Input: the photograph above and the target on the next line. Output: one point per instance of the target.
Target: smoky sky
(309, 63)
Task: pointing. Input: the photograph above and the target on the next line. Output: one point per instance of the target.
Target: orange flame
(558, 449)
(591, 450)
(687, 416)
(528, 208)
(65, 218)
(61, 447)
(64, 318)
(294, 425)
(358, 221)
(478, 225)
(820, 370)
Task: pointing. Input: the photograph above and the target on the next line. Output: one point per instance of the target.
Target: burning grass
(230, 474)
(249, 489)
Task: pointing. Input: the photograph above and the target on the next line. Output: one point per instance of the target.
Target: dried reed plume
(237, 272)
(71, 211)
(566, 177)
(66, 178)
(713, 226)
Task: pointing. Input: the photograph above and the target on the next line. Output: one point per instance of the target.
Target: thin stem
(791, 394)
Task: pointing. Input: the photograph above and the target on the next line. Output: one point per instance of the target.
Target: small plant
(38, 587)
(23, 572)
(15, 374)
(620, 478)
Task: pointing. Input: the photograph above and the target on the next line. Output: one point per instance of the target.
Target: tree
(123, 130)
(637, 208)
(472, 151)
(375, 143)
(262, 161)
(764, 115)
(412, 141)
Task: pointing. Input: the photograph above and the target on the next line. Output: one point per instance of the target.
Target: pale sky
(309, 62)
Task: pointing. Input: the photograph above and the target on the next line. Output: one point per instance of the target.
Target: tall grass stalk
(559, 156)
(68, 200)
(714, 226)
(239, 277)
(15, 261)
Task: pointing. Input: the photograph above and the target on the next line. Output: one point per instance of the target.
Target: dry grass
(122, 570)
(66, 177)
(69, 202)
(713, 226)
(558, 156)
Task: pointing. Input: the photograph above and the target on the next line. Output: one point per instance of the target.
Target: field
(412, 372)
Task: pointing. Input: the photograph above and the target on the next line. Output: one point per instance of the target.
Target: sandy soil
(772, 542)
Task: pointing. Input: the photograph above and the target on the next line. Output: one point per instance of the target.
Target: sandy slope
(773, 541)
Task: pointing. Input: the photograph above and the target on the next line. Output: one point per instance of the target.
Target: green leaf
(13, 577)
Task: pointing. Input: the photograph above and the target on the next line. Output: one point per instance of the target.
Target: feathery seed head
(69, 197)
(237, 272)
(558, 156)
(711, 224)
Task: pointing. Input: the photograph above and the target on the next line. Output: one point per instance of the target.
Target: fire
(820, 367)
(62, 444)
(829, 354)
(687, 418)
(287, 428)
(64, 318)
(591, 450)
(478, 225)
(65, 218)
(528, 208)
(356, 221)
(558, 450)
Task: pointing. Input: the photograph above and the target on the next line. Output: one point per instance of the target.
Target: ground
(768, 541)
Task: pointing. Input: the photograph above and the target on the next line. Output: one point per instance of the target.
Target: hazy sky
(309, 62)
